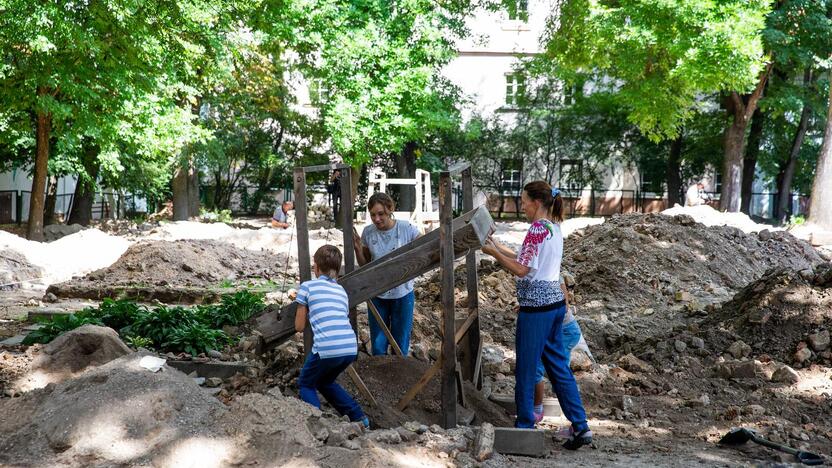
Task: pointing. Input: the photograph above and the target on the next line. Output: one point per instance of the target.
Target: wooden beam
(431, 372)
(403, 264)
(372, 309)
(346, 229)
(302, 228)
(471, 343)
(446, 265)
(322, 167)
(362, 388)
(457, 168)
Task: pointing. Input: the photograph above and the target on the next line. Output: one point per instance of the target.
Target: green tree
(69, 65)
(663, 56)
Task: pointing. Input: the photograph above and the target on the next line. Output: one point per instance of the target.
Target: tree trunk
(51, 201)
(264, 176)
(84, 196)
(820, 209)
(741, 109)
(181, 207)
(732, 166)
(749, 163)
(44, 128)
(785, 187)
(193, 190)
(406, 169)
(674, 176)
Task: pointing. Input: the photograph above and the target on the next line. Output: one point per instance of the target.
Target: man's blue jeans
(318, 375)
(397, 314)
(540, 337)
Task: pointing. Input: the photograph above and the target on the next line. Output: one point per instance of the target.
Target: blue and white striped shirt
(329, 317)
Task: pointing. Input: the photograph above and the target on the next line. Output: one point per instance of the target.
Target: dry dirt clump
(780, 315)
(171, 270)
(653, 260)
(15, 270)
(77, 350)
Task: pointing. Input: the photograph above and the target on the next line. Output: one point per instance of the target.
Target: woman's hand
(490, 247)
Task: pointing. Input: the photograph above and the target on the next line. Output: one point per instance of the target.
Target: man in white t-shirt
(696, 195)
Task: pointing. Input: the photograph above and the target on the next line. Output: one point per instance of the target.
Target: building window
(518, 10)
(515, 89)
(649, 183)
(510, 176)
(570, 91)
(318, 92)
(571, 175)
(717, 182)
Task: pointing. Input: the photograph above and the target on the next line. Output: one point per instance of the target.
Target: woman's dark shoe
(578, 440)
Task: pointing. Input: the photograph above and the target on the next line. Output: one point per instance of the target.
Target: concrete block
(13, 341)
(222, 370)
(527, 442)
(506, 401)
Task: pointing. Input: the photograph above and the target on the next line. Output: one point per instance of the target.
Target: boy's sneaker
(366, 422)
(578, 440)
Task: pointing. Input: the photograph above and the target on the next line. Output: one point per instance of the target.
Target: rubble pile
(785, 315)
(653, 260)
(160, 266)
(15, 270)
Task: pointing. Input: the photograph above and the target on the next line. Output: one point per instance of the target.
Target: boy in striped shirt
(334, 345)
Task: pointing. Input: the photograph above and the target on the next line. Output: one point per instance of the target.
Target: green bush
(159, 324)
(193, 330)
(59, 325)
(195, 338)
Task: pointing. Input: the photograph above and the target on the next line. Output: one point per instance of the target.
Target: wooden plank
(401, 265)
(446, 262)
(356, 379)
(460, 389)
(471, 343)
(322, 167)
(457, 168)
(478, 367)
(431, 372)
(372, 309)
(347, 230)
(302, 228)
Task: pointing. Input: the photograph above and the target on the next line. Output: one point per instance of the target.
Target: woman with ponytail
(539, 334)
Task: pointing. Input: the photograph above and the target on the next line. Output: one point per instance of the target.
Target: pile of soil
(123, 414)
(180, 271)
(388, 378)
(652, 260)
(15, 270)
(777, 315)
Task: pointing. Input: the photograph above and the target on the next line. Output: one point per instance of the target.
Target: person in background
(395, 306)
(334, 191)
(280, 218)
(539, 333)
(334, 345)
(696, 195)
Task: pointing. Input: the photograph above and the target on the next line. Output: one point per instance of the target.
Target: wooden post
(346, 227)
(371, 308)
(471, 343)
(304, 264)
(446, 262)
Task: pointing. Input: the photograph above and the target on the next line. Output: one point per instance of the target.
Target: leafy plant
(139, 342)
(236, 308)
(219, 216)
(195, 338)
(796, 220)
(118, 314)
(159, 324)
(58, 325)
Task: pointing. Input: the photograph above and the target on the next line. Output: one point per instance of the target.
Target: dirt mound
(389, 377)
(653, 260)
(79, 349)
(123, 414)
(116, 413)
(172, 270)
(15, 270)
(778, 315)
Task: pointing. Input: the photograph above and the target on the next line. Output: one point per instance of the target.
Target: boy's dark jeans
(318, 375)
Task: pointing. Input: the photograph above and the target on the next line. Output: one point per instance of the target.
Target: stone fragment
(697, 342)
(785, 374)
(680, 346)
(819, 341)
(633, 364)
(213, 382)
(802, 355)
(739, 349)
(484, 443)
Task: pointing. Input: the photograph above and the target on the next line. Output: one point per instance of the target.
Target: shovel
(741, 435)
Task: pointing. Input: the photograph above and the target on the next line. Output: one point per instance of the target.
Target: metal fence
(14, 205)
(590, 202)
